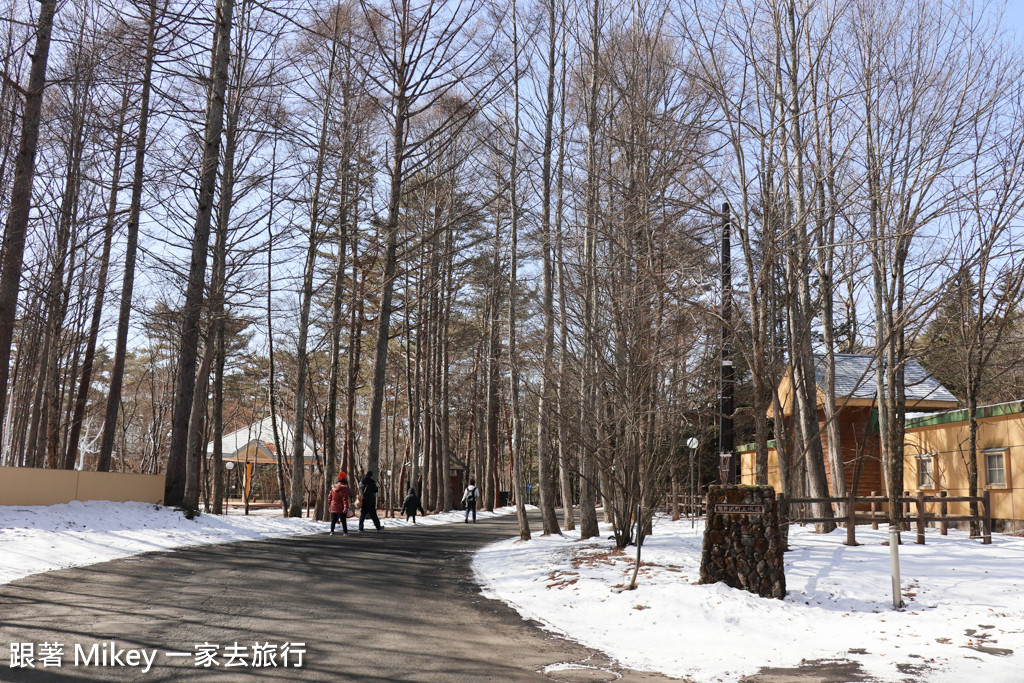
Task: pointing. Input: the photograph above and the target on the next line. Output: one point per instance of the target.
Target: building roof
(258, 440)
(855, 385)
(855, 378)
(951, 416)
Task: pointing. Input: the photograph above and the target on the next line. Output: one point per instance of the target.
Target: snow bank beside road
(964, 620)
(36, 539)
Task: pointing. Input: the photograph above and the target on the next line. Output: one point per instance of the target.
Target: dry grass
(560, 580)
(608, 557)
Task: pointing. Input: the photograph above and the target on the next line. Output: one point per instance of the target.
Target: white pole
(693, 514)
(692, 443)
(894, 561)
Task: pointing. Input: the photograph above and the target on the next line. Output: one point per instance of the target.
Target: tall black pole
(728, 471)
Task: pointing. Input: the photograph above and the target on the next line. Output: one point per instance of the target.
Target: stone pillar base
(742, 546)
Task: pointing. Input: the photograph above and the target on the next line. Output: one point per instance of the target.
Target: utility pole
(728, 470)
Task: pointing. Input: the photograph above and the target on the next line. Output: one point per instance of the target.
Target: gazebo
(253, 446)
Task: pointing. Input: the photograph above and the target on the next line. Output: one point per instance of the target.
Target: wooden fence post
(851, 520)
(783, 514)
(874, 509)
(943, 510)
(986, 521)
(906, 510)
(920, 517)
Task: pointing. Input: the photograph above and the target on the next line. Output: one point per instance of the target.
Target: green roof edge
(951, 416)
(748, 447)
(948, 417)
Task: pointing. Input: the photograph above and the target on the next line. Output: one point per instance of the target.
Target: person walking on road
(469, 498)
(368, 490)
(338, 501)
(411, 505)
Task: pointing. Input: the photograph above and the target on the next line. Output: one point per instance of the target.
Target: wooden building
(936, 455)
(857, 418)
(253, 451)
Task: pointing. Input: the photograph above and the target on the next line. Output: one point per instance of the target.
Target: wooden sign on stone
(742, 546)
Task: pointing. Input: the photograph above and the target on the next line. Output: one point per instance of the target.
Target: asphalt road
(395, 606)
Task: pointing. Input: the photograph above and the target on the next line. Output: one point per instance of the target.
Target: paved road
(394, 606)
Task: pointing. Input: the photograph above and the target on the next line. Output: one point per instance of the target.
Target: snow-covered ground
(964, 619)
(36, 539)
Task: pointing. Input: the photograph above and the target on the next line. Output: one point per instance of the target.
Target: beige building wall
(950, 446)
(947, 447)
(748, 468)
(33, 486)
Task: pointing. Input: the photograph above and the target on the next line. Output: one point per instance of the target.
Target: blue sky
(1015, 15)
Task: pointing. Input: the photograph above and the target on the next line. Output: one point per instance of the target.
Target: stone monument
(742, 546)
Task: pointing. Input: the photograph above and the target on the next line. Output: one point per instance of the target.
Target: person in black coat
(411, 505)
(368, 490)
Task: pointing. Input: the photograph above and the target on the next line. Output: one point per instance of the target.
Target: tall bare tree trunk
(398, 159)
(562, 407)
(131, 249)
(218, 286)
(306, 296)
(16, 227)
(85, 383)
(182, 487)
(800, 307)
(196, 444)
(546, 398)
(279, 454)
(588, 470)
(493, 373)
(513, 358)
(334, 371)
(64, 261)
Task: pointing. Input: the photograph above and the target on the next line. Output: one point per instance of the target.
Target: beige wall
(748, 468)
(32, 486)
(950, 443)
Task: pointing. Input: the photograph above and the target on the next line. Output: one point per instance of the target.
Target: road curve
(399, 605)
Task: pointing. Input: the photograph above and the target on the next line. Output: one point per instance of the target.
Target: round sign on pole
(692, 443)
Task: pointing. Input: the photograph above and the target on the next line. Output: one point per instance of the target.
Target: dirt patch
(815, 671)
(580, 674)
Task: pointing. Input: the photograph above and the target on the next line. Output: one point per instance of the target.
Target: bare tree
(21, 194)
(182, 486)
(153, 17)
(422, 51)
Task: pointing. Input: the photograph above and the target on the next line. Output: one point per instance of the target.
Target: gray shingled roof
(855, 378)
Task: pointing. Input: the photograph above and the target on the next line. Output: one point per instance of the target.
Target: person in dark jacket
(469, 498)
(368, 490)
(411, 505)
(338, 501)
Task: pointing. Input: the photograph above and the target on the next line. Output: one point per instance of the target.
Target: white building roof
(257, 440)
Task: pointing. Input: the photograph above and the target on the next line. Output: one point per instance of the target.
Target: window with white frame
(995, 466)
(926, 471)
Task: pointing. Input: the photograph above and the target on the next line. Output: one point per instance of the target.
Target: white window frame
(1004, 454)
(931, 459)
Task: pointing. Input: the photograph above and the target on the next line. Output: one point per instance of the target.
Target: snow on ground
(36, 539)
(964, 619)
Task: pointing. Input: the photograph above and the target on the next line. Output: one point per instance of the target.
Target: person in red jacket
(338, 502)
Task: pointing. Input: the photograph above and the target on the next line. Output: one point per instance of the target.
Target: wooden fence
(689, 506)
(913, 511)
